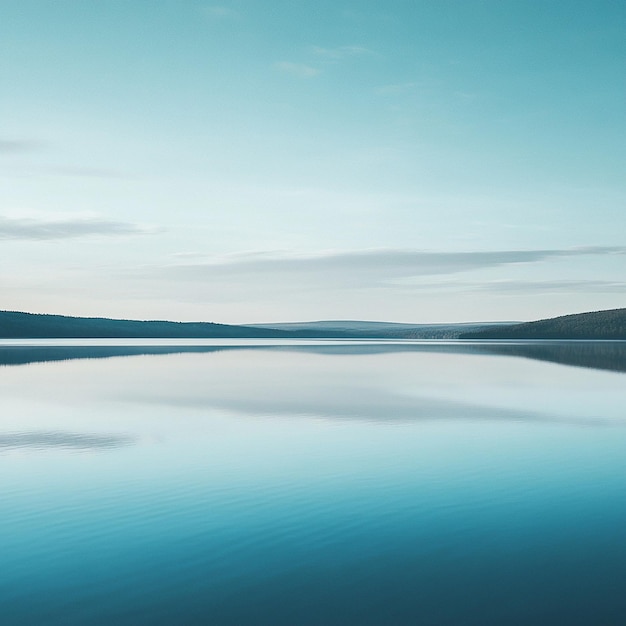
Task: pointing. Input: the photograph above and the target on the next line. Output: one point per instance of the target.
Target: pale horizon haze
(272, 161)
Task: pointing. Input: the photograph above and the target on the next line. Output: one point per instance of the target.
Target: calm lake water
(320, 483)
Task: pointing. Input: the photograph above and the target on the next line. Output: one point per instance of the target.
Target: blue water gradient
(274, 486)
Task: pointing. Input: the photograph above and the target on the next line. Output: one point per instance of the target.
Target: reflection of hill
(22, 355)
(606, 355)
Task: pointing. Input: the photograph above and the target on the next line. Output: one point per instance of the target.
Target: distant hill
(609, 324)
(15, 324)
(597, 325)
(384, 330)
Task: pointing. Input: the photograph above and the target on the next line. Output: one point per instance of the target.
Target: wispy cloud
(340, 52)
(72, 171)
(221, 12)
(397, 89)
(360, 269)
(551, 286)
(321, 56)
(512, 287)
(297, 69)
(17, 146)
(20, 228)
(188, 255)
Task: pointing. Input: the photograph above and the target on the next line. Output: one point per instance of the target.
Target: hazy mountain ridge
(15, 325)
(384, 330)
(609, 324)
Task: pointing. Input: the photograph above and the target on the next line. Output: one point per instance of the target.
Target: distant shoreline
(597, 325)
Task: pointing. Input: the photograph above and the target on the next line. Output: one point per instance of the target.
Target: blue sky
(420, 161)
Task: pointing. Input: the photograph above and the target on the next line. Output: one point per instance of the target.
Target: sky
(294, 160)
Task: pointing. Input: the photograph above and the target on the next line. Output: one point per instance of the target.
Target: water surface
(315, 483)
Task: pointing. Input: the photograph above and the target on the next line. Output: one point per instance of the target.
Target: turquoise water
(320, 483)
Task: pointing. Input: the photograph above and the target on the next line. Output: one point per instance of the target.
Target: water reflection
(60, 440)
(25, 354)
(379, 383)
(320, 484)
(603, 355)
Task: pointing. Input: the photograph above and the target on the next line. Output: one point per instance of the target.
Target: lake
(323, 483)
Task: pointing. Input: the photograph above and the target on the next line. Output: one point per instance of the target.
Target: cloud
(323, 56)
(341, 402)
(514, 287)
(221, 12)
(297, 69)
(359, 269)
(82, 172)
(188, 255)
(15, 228)
(340, 52)
(68, 171)
(16, 146)
(21, 146)
(397, 89)
(551, 286)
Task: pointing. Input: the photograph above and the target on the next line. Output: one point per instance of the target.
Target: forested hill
(598, 325)
(15, 324)
(609, 324)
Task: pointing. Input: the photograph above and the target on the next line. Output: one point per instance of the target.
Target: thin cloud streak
(53, 171)
(297, 69)
(220, 12)
(83, 172)
(518, 287)
(366, 268)
(41, 230)
(340, 52)
(397, 89)
(552, 286)
(17, 146)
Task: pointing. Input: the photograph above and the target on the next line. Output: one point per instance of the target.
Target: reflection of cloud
(348, 403)
(328, 382)
(361, 268)
(47, 440)
(343, 401)
(41, 229)
(297, 69)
